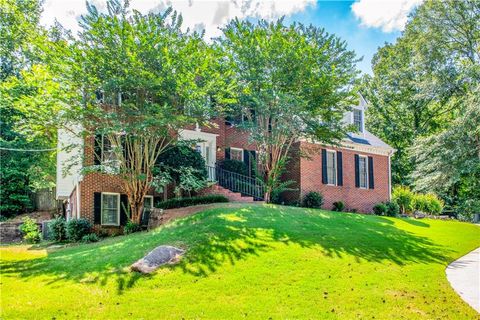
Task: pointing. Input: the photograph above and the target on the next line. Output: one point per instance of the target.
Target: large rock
(157, 257)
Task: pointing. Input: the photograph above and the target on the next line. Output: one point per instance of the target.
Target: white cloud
(391, 15)
(197, 14)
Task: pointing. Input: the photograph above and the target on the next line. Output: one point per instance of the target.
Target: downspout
(390, 175)
(78, 199)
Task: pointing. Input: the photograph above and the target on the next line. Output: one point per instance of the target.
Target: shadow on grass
(221, 236)
(415, 222)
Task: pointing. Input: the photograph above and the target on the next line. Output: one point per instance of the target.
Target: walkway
(464, 276)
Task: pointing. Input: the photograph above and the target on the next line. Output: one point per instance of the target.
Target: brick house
(357, 172)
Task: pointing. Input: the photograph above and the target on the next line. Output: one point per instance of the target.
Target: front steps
(230, 195)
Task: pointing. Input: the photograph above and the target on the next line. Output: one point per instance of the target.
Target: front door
(206, 145)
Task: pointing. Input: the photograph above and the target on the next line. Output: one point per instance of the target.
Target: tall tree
(142, 80)
(28, 99)
(293, 82)
(419, 82)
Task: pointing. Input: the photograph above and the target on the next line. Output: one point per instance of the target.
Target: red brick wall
(306, 171)
(228, 136)
(98, 182)
(362, 200)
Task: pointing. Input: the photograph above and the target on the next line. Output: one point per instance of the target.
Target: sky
(364, 24)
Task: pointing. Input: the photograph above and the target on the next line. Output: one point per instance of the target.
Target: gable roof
(368, 139)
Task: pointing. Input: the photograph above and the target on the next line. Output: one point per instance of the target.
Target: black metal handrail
(247, 186)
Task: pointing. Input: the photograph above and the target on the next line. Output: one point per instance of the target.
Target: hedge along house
(357, 172)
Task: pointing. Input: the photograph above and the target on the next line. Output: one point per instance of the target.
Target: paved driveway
(464, 276)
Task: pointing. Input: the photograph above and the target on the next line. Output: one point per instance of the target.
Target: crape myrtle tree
(141, 79)
(293, 82)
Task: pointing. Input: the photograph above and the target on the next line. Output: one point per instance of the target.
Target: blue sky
(363, 24)
(337, 17)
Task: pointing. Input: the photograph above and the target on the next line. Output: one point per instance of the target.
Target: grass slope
(251, 262)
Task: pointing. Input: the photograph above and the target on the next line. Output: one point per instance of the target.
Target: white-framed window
(148, 202)
(236, 154)
(358, 119)
(110, 208)
(363, 171)
(331, 167)
(107, 153)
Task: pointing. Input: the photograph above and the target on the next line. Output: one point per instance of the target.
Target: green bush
(234, 166)
(338, 206)
(420, 202)
(380, 209)
(182, 156)
(312, 200)
(57, 229)
(77, 228)
(404, 197)
(186, 202)
(30, 230)
(131, 227)
(434, 204)
(91, 237)
(392, 209)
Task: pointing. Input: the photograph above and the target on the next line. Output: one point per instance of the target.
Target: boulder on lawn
(157, 257)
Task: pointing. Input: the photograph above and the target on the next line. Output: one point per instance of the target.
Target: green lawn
(255, 262)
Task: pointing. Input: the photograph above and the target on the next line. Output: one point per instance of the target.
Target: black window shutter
(357, 171)
(157, 199)
(124, 209)
(97, 149)
(339, 168)
(227, 153)
(97, 208)
(246, 157)
(253, 162)
(371, 182)
(324, 166)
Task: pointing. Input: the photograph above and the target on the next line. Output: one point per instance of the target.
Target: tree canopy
(422, 89)
(292, 82)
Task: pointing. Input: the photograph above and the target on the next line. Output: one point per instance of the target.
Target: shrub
(380, 209)
(177, 157)
(91, 237)
(30, 230)
(392, 209)
(57, 229)
(77, 228)
(131, 227)
(434, 204)
(234, 166)
(312, 200)
(420, 202)
(403, 196)
(186, 202)
(338, 206)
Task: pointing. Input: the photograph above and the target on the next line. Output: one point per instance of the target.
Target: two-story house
(357, 172)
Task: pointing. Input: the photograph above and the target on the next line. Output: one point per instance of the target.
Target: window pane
(357, 119)
(331, 168)
(148, 202)
(236, 154)
(110, 208)
(363, 172)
